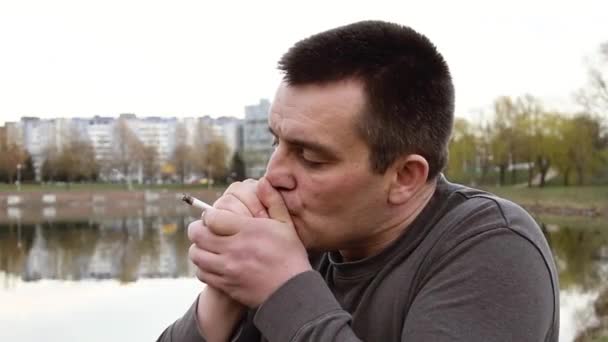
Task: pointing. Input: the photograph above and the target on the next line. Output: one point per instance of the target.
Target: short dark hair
(407, 83)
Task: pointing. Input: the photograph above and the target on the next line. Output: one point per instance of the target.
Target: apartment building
(257, 138)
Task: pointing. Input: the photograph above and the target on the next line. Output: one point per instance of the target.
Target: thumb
(273, 201)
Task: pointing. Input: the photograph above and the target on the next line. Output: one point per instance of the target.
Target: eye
(275, 141)
(310, 163)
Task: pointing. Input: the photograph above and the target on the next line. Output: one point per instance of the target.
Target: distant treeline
(524, 143)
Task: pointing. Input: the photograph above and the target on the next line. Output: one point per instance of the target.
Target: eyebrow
(309, 145)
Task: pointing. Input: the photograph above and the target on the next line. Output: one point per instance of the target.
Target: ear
(409, 174)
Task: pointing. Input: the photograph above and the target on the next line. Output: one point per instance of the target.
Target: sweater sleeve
(304, 309)
(185, 329)
(495, 286)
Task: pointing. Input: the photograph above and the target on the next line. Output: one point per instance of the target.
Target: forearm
(304, 309)
(213, 317)
(185, 329)
(217, 315)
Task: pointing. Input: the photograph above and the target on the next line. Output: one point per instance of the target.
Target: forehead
(317, 110)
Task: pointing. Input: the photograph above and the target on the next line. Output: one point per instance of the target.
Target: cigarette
(195, 202)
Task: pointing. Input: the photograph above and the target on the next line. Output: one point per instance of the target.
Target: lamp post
(19, 166)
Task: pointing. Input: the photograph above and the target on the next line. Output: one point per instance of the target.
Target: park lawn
(595, 224)
(569, 196)
(572, 196)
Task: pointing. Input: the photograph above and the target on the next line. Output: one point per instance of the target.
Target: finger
(205, 260)
(203, 237)
(273, 201)
(213, 280)
(194, 229)
(245, 192)
(231, 203)
(226, 223)
(203, 217)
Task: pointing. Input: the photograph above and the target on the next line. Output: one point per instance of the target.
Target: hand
(241, 198)
(249, 258)
(217, 313)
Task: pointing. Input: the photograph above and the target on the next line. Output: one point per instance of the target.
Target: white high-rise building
(157, 132)
(39, 138)
(257, 138)
(186, 131)
(231, 130)
(100, 131)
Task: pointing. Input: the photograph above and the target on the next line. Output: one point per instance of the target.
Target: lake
(127, 278)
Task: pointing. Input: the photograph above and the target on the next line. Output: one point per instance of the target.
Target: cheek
(332, 192)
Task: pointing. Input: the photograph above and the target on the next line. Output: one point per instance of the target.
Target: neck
(399, 220)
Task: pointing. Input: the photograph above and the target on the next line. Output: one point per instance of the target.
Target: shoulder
(472, 219)
(470, 212)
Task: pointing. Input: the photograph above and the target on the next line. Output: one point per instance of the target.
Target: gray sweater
(471, 267)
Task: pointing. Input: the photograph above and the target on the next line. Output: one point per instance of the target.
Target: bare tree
(237, 167)
(182, 161)
(150, 162)
(11, 156)
(216, 153)
(128, 149)
(594, 96)
(75, 162)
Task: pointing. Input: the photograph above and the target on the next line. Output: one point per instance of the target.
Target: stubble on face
(331, 204)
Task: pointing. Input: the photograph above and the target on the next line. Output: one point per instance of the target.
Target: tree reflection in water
(580, 249)
(123, 248)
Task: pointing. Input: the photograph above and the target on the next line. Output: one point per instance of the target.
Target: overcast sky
(179, 58)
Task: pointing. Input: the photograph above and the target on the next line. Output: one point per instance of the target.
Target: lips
(292, 208)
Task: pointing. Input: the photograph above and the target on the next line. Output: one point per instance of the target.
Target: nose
(279, 170)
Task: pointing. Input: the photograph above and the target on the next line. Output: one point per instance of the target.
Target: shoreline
(83, 203)
(35, 206)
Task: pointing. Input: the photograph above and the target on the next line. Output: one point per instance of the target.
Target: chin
(303, 234)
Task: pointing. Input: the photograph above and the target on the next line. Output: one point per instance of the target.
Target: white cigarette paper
(195, 202)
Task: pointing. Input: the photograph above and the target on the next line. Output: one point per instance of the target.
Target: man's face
(321, 166)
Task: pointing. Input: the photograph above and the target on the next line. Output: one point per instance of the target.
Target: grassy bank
(556, 196)
(595, 197)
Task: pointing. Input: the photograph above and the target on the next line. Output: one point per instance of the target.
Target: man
(354, 234)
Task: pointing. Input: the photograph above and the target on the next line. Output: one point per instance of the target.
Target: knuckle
(201, 276)
(231, 205)
(244, 252)
(231, 268)
(255, 253)
(222, 203)
(209, 218)
(232, 187)
(192, 253)
(193, 230)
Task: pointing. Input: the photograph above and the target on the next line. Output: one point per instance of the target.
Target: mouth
(289, 201)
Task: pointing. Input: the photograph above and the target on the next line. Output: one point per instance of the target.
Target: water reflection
(62, 259)
(127, 249)
(580, 249)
